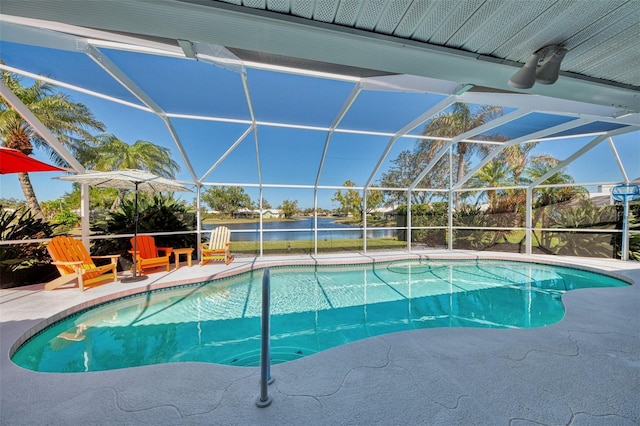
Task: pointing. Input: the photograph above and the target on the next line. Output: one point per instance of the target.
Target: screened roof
(231, 113)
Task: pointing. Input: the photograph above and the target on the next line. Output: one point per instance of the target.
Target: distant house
(386, 213)
(603, 196)
(243, 214)
(250, 214)
(272, 214)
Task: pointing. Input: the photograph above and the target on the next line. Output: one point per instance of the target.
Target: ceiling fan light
(549, 72)
(526, 76)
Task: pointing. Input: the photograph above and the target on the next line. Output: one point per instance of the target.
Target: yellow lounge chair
(149, 255)
(217, 249)
(74, 262)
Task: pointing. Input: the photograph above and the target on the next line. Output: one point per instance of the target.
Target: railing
(265, 354)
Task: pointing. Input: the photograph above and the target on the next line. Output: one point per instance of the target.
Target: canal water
(301, 229)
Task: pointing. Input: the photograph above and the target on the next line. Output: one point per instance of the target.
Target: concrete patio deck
(584, 369)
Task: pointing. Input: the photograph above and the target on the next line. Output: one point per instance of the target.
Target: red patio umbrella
(14, 161)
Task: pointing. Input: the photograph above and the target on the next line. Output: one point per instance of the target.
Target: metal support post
(265, 355)
(528, 221)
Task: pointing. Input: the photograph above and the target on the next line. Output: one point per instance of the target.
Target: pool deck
(584, 369)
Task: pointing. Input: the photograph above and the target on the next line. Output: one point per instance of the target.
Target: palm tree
(461, 119)
(111, 153)
(544, 197)
(494, 174)
(69, 121)
(547, 202)
(514, 166)
(519, 158)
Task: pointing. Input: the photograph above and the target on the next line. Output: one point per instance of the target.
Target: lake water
(301, 229)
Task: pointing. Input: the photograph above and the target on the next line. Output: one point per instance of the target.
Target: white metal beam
(480, 129)
(617, 157)
(442, 105)
(522, 139)
(36, 36)
(578, 154)
(40, 128)
(353, 95)
(78, 89)
(55, 144)
(226, 154)
(39, 32)
(123, 79)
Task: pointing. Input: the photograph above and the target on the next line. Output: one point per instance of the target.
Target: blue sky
(286, 155)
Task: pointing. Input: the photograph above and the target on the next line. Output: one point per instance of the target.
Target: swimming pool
(313, 308)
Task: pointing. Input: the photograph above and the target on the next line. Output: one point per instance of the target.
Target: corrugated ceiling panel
(582, 41)
(392, 16)
(618, 63)
(412, 18)
(629, 70)
(348, 12)
(561, 27)
(534, 34)
(458, 15)
(256, 4)
(587, 21)
(282, 6)
(596, 32)
(631, 73)
(475, 23)
(437, 15)
(303, 8)
(370, 14)
(513, 16)
(602, 45)
(325, 11)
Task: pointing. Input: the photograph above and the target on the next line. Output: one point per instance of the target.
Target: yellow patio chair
(74, 262)
(149, 255)
(217, 249)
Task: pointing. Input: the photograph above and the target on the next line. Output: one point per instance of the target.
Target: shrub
(634, 225)
(155, 214)
(586, 216)
(434, 214)
(471, 239)
(20, 224)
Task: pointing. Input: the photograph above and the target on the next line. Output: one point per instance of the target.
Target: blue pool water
(313, 308)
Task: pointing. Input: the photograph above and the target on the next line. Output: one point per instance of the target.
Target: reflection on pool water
(313, 308)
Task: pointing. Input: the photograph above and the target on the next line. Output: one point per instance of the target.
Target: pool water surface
(313, 308)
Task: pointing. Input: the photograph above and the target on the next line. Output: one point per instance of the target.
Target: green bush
(471, 239)
(586, 216)
(65, 221)
(155, 214)
(20, 224)
(434, 214)
(23, 263)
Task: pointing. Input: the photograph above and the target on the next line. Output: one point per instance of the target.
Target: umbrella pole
(135, 277)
